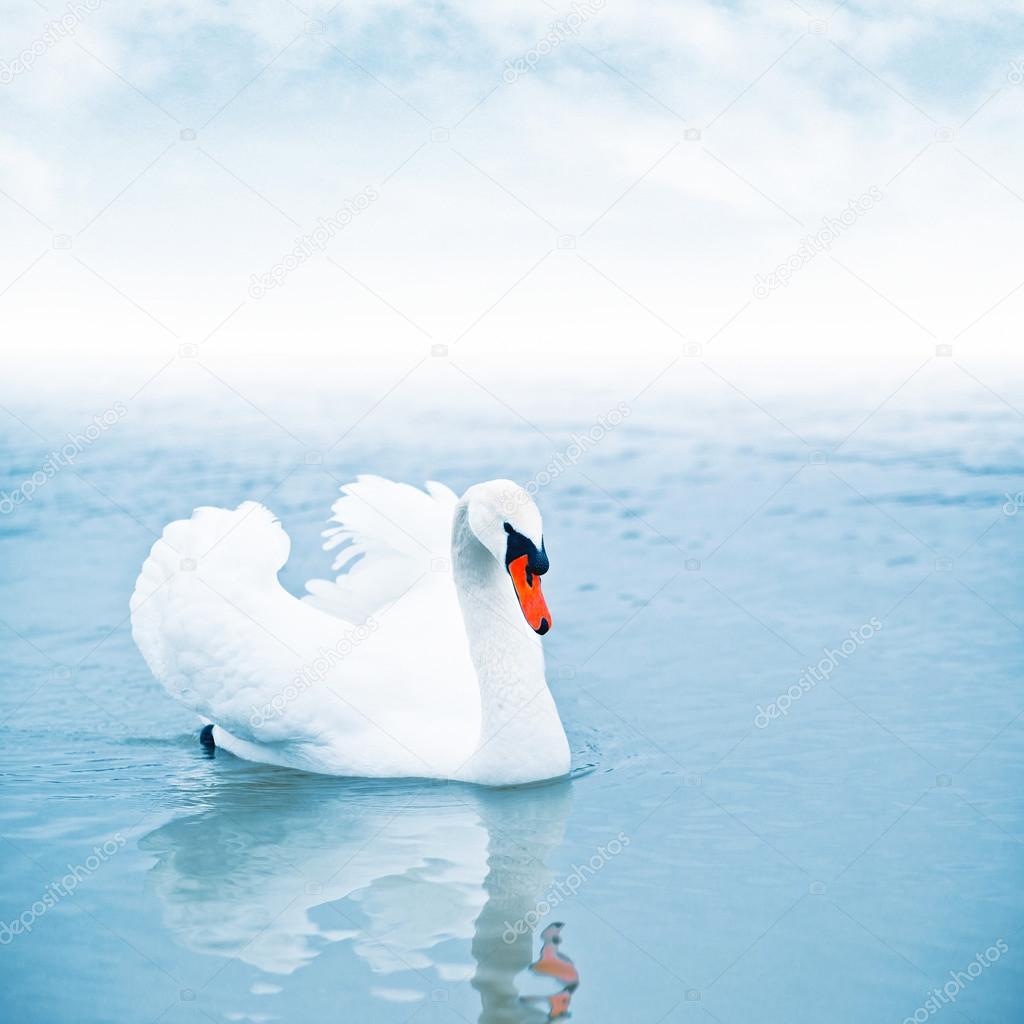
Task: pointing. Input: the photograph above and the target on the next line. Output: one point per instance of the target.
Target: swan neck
(518, 719)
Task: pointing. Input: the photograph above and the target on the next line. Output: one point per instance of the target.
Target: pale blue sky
(800, 108)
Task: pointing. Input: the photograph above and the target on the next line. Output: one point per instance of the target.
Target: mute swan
(421, 659)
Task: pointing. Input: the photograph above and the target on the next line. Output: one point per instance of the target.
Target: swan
(422, 658)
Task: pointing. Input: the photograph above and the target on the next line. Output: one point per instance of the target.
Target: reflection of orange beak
(558, 1006)
(531, 600)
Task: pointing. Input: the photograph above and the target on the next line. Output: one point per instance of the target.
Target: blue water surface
(741, 840)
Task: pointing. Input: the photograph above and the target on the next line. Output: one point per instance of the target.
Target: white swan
(421, 659)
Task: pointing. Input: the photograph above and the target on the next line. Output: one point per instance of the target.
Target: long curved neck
(521, 735)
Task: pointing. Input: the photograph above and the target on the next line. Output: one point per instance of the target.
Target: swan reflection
(555, 972)
(271, 867)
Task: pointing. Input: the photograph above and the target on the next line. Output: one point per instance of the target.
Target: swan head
(506, 521)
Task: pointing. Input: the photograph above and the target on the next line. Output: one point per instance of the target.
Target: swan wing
(386, 537)
(217, 628)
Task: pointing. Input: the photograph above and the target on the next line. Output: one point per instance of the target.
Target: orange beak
(531, 599)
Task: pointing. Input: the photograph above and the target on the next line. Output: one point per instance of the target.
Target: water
(708, 860)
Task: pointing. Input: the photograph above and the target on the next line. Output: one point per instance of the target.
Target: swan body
(420, 659)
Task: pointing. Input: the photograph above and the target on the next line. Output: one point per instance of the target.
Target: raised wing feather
(388, 535)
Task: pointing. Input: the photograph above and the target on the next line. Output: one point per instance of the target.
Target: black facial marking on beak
(537, 560)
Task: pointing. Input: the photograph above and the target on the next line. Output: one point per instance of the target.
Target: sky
(331, 194)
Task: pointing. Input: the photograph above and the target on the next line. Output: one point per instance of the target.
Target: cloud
(616, 200)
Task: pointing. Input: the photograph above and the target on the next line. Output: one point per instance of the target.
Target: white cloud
(787, 139)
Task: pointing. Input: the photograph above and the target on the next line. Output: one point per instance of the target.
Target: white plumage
(415, 661)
